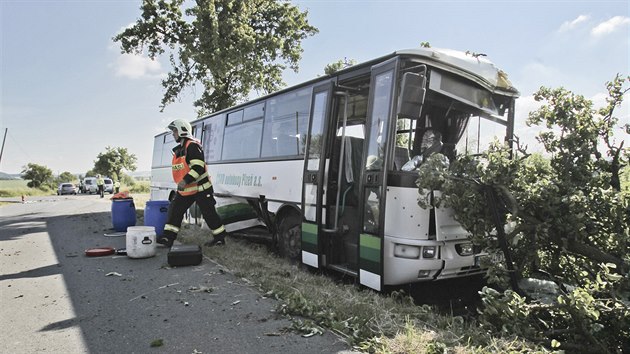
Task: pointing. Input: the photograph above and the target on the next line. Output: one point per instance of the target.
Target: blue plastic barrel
(123, 214)
(155, 213)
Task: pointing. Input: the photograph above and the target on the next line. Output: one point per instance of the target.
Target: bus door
(313, 176)
(345, 148)
(373, 183)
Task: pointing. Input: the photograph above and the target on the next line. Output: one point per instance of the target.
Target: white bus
(320, 164)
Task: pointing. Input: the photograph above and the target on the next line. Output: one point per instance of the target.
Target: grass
(17, 187)
(369, 321)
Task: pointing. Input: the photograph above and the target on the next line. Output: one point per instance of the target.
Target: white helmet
(184, 130)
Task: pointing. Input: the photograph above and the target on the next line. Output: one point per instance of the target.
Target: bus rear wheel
(290, 237)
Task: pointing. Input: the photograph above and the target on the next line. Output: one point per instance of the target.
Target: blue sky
(66, 92)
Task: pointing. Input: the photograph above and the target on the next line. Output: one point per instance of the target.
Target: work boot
(165, 241)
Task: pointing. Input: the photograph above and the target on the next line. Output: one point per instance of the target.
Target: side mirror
(412, 94)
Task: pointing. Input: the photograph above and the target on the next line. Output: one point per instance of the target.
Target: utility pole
(3, 140)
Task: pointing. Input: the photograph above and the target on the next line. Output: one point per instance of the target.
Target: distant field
(18, 187)
(13, 183)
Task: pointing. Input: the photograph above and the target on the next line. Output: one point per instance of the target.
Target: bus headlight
(428, 252)
(406, 251)
(464, 249)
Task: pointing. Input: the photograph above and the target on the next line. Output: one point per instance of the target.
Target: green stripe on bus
(232, 213)
(370, 241)
(370, 253)
(309, 238)
(370, 266)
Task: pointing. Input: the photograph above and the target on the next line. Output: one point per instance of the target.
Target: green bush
(140, 187)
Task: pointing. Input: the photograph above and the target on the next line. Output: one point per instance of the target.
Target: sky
(67, 93)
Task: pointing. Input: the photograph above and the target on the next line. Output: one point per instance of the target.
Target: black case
(184, 255)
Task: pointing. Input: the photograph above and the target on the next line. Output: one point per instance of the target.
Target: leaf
(157, 343)
(555, 343)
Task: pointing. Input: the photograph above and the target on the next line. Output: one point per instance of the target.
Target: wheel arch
(288, 242)
(286, 210)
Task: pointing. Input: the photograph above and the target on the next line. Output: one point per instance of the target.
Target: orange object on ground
(121, 195)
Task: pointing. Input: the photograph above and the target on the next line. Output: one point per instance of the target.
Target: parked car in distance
(109, 186)
(66, 188)
(89, 185)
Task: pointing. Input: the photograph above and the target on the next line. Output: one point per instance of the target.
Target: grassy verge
(18, 187)
(369, 321)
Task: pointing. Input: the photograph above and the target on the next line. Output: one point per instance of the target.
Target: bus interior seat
(351, 170)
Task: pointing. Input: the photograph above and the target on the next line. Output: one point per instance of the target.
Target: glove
(181, 185)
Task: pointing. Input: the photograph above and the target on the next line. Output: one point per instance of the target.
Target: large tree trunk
(593, 253)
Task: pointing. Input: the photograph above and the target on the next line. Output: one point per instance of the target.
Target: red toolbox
(184, 255)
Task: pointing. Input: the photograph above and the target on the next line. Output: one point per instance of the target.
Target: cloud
(136, 66)
(599, 99)
(527, 135)
(569, 25)
(610, 26)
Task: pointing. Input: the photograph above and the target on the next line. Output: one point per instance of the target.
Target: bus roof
(467, 64)
(474, 67)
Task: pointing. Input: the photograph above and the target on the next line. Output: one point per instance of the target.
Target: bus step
(342, 269)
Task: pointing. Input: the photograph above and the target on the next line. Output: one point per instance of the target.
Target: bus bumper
(401, 268)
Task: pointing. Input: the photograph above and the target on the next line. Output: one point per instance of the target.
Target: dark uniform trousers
(205, 201)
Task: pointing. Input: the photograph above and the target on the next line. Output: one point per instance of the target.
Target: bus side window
(286, 123)
(286, 145)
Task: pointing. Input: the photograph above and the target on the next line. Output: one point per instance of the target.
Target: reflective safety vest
(181, 169)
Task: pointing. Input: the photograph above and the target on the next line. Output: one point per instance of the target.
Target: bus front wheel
(290, 237)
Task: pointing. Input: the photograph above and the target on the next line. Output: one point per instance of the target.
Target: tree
(569, 222)
(113, 161)
(38, 175)
(230, 47)
(66, 177)
(338, 65)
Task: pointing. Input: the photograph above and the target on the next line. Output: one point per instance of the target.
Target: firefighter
(193, 185)
(100, 183)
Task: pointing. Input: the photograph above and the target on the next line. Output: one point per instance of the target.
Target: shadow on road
(122, 305)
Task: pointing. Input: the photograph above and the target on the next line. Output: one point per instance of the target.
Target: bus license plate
(495, 258)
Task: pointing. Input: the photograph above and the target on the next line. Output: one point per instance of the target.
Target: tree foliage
(569, 222)
(66, 177)
(113, 161)
(338, 65)
(38, 175)
(230, 47)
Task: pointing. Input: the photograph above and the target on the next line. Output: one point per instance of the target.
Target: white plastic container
(140, 241)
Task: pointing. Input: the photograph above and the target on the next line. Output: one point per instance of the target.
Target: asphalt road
(54, 299)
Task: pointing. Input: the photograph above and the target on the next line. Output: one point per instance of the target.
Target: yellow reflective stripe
(202, 176)
(205, 186)
(170, 227)
(194, 174)
(197, 163)
(190, 189)
(219, 230)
